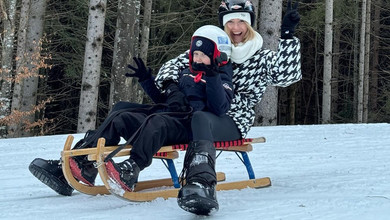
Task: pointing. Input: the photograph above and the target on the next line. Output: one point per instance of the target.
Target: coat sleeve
(151, 90)
(219, 90)
(171, 69)
(285, 66)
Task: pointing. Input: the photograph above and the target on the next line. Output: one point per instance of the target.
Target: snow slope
(318, 172)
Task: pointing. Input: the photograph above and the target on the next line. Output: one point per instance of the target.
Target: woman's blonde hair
(249, 35)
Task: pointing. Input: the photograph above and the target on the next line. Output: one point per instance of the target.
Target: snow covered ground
(318, 172)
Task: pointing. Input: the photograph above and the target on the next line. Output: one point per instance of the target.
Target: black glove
(141, 72)
(290, 21)
(210, 70)
(222, 59)
(176, 100)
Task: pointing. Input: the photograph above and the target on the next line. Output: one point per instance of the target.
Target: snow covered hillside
(318, 172)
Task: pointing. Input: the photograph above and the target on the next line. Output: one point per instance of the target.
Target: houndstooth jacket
(250, 78)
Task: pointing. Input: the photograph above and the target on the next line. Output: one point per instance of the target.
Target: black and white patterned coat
(250, 78)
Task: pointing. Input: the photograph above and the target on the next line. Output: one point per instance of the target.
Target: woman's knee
(201, 121)
(200, 117)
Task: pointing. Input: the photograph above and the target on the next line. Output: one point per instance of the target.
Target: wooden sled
(167, 154)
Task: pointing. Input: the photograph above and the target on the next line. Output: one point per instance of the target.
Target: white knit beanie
(237, 15)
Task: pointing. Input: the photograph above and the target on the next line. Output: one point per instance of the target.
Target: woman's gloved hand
(290, 21)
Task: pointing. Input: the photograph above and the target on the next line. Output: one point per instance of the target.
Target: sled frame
(166, 154)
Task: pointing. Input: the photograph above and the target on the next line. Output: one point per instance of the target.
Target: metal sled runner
(166, 154)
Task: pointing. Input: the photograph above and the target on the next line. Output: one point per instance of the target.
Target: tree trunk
(126, 46)
(367, 63)
(373, 101)
(326, 95)
(14, 128)
(292, 104)
(92, 64)
(356, 60)
(27, 66)
(335, 70)
(256, 6)
(8, 13)
(269, 28)
(145, 30)
(361, 63)
(33, 59)
(144, 44)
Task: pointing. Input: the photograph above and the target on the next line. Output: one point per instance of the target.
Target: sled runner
(167, 154)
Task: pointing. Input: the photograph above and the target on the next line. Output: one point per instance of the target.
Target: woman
(254, 68)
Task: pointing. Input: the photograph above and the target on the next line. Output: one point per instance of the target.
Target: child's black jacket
(211, 93)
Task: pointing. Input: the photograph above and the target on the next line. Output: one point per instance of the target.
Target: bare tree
(360, 104)
(367, 62)
(144, 42)
(92, 64)
(355, 46)
(375, 56)
(256, 5)
(33, 59)
(126, 46)
(15, 127)
(326, 96)
(146, 30)
(7, 14)
(269, 24)
(335, 68)
(27, 67)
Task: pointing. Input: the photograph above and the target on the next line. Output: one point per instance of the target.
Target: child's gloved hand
(176, 100)
(210, 70)
(142, 73)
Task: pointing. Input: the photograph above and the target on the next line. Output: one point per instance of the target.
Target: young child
(209, 54)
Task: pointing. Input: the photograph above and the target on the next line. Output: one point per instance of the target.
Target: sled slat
(88, 151)
(126, 152)
(253, 183)
(149, 184)
(242, 148)
(258, 140)
(149, 196)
